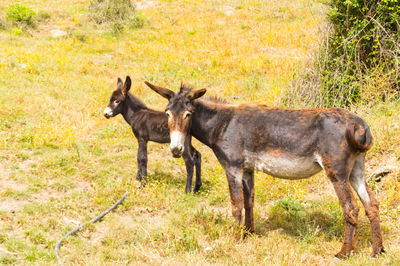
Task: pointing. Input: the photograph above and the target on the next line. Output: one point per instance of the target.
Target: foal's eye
(187, 114)
(168, 114)
(117, 101)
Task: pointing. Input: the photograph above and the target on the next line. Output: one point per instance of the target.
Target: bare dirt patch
(4, 173)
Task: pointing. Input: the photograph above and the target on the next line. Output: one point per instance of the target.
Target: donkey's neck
(209, 120)
(132, 106)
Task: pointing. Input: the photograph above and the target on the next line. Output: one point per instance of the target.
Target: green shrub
(358, 61)
(116, 14)
(2, 24)
(104, 11)
(19, 14)
(138, 21)
(43, 15)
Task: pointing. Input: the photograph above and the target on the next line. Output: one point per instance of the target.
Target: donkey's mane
(215, 99)
(136, 101)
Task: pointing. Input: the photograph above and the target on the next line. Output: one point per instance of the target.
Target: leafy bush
(43, 15)
(117, 14)
(104, 11)
(358, 61)
(19, 14)
(138, 21)
(2, 24)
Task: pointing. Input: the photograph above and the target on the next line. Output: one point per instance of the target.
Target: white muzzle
(177, 143)
(108, 112)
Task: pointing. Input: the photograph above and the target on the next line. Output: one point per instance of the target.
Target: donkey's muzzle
(177, 151)
(108, 112)
(177, 144)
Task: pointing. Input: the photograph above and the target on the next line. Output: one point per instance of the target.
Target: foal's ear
(194, 94)
(164, 92)
(127, 85)
(119, 84)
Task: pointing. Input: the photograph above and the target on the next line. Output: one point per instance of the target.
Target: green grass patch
(306, 222)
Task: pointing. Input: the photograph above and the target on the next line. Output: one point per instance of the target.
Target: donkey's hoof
(142, 184)
(196, 189)
(377, 252)
(342, 256)
(344, 252)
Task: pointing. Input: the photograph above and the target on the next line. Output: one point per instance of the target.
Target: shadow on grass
(177, 180)
(166, 178)
(307, 222)
(316, 221)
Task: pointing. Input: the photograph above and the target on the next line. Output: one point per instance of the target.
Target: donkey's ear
(119, 84)
(166, 93)
(194, 94)
(127, 85)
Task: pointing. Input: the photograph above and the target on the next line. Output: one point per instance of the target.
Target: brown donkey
(149, 125)
(283, 143)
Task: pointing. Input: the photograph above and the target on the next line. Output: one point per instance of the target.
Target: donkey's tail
(359, 137)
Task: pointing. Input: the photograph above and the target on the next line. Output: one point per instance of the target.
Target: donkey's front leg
(234, 177)
(197, 162)
(189, 163)
(142, 161)
(248, 192)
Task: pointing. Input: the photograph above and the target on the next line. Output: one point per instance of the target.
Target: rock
(57, 33)
(99, 62)
(228, 10)
(209, 248)
(144, 5)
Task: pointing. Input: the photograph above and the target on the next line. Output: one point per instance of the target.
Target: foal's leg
(197, 162)
(248, 192)
(338, 173)
(234, 176)
(142, 161)
(371, 205)
(189, 163)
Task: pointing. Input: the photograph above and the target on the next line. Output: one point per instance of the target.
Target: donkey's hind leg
(197, 163)
(338, 173)
(371, 205)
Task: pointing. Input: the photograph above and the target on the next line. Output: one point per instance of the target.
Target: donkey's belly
(283, 165)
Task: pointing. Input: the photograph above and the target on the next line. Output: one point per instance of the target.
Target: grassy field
(62, 162)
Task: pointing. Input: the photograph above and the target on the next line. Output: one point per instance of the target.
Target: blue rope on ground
(97, 218)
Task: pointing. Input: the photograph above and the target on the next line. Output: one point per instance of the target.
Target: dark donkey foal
(149, 125)
(284, 143)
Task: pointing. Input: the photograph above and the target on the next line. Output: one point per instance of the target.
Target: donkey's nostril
(177, 151)
(108, 112)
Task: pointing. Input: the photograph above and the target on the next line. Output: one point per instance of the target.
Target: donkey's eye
(187, 114)
(168, 114)
(117, 101)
